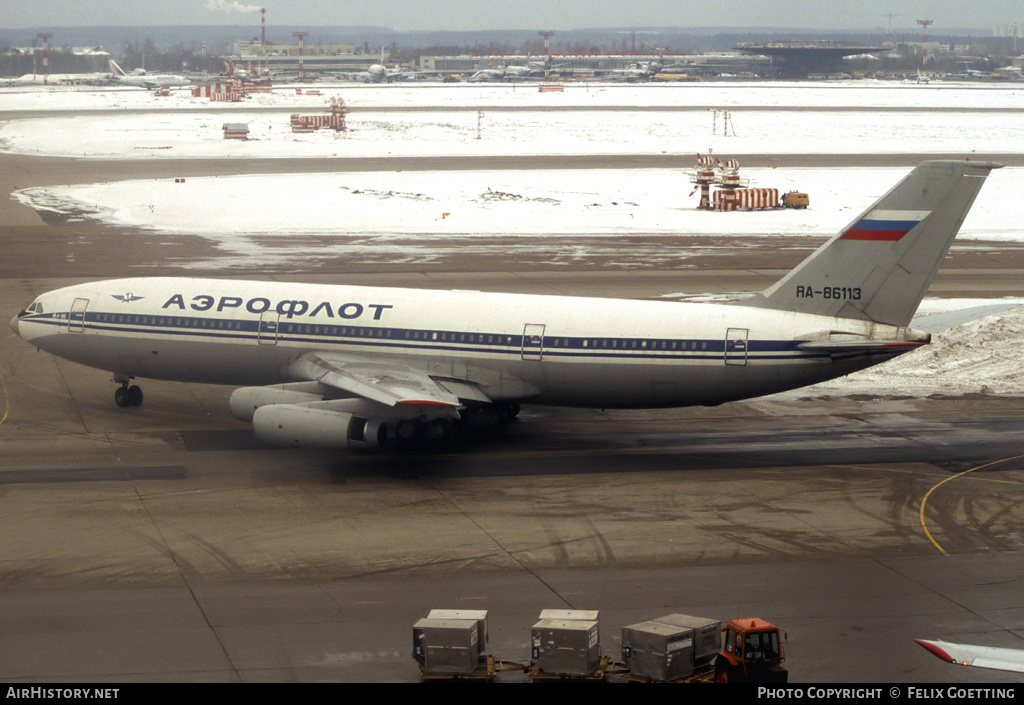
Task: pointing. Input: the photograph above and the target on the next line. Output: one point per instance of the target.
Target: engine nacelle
(246, 400)
(346, 423)
(306, 426)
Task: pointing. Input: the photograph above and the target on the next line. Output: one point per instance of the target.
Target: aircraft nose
(14, 326)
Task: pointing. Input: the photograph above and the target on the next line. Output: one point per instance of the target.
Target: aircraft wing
(992, 657)
(387, 383)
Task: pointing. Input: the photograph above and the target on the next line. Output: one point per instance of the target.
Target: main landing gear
(127, 396)
(475, 419)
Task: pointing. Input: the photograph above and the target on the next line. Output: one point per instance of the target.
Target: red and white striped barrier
(334, 120)
(747, 199)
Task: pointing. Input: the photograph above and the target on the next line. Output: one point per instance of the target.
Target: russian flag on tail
(884, 226)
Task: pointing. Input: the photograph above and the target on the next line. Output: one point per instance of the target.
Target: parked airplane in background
(1000, 659)
(379, 73)
(145, 80)
(509, 72)
(330, 366)
(967, 72)
(55, 79)
(640, 71)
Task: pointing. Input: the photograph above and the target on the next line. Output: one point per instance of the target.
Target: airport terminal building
(326, 60)
(586, 65)
(342, 60)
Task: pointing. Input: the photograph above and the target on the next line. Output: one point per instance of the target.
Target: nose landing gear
(127, 396)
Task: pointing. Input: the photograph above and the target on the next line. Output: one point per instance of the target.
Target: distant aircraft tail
(115, 70)
(879, 267)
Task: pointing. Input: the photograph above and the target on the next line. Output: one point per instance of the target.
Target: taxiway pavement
(163, 544)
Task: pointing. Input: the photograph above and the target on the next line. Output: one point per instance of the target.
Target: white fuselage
(544, 349)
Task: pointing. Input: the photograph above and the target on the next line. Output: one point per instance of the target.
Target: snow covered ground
(719, 94)
(400, 120)
(406, 120)
(403, 120)
(612, 203)
(980, 357)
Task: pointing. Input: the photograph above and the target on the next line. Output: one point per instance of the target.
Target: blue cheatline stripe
(554, 346)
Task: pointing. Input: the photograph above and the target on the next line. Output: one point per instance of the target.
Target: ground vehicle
(796, 199)
(752, 652)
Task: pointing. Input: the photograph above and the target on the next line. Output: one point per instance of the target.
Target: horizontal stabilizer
(938, 322)
(860, 346)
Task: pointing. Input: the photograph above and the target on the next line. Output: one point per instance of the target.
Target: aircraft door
(533, 341)
(76, 316)
(736, 346)
(267, 334)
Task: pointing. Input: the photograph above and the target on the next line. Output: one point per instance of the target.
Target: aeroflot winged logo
(127, 298)
(885, 226)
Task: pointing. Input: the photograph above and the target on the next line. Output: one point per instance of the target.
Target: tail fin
(115, 70)
(879, 267)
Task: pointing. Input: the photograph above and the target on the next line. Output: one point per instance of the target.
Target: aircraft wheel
(134, 395)
(435, 430)
(407, 430)
(724, 672)
(126, 397)
(508, 412)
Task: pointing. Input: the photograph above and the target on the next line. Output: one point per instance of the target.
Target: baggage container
(707, 635)
(569, 647)
(658, 651)
(480, 616)
(446, 646)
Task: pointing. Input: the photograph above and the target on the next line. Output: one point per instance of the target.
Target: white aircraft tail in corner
(879, 267)
(997, 658)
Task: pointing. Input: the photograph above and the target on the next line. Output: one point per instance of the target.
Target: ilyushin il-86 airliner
(365, 367)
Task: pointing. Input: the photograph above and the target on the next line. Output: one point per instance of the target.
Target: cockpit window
(34, 307)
